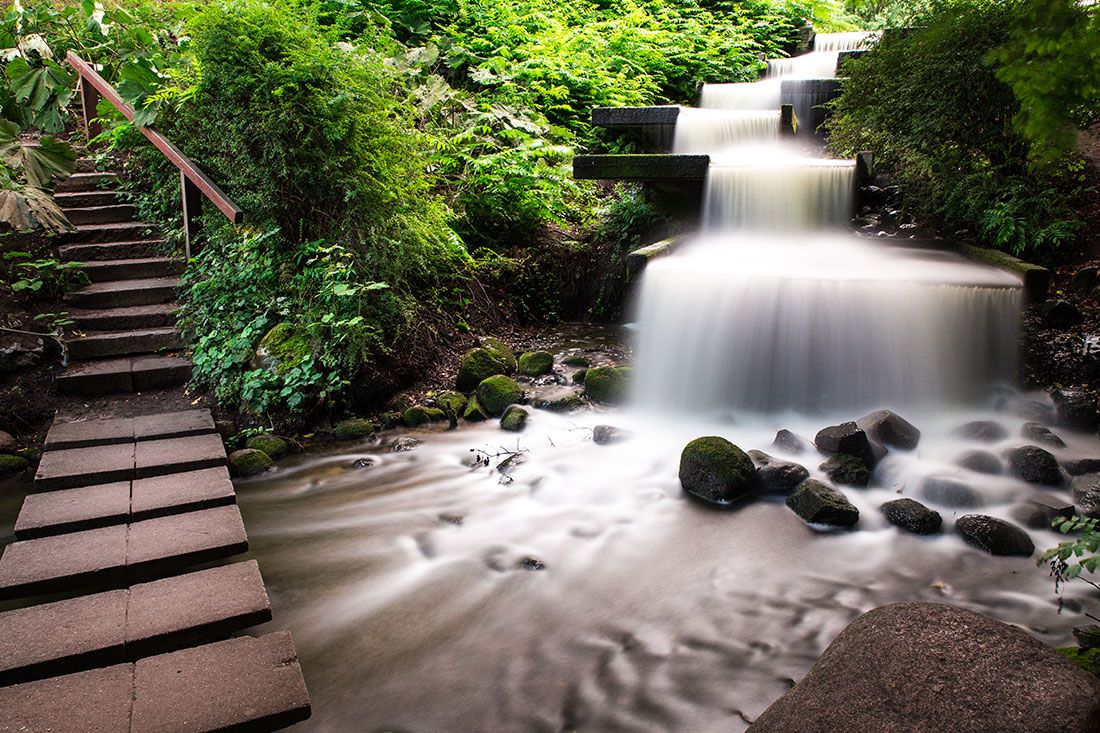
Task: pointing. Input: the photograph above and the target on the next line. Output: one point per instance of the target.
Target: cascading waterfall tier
(708, 130)
(817, 324)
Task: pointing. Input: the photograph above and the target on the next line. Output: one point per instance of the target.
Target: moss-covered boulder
(390, 419)
(716, 471)
(514, 419)
(577, 360)
(501, 350)
(497, 392)
(819, 503)
(272, 445)
(564, 404)
(418, 415)
(1086, 659)
(477, 365)
(283, 347)
(609, 385)
(535, 363)
(473, 411)
(354, 429)
(248, 462)
(912, 516)
(452, 403)
(579, 375)
(11, 465)
(846, 470)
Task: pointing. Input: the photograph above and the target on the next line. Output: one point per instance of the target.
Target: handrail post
(192, 207)
(89, 101)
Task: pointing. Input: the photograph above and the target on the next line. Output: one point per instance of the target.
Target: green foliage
(939, 119)
(1069, 559)
(43, 277)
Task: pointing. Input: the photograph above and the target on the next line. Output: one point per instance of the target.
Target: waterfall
(852, 41)
(707, 130)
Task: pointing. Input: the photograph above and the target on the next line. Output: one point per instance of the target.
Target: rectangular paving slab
(179, 492)
(96, 700)
(239, 684)
(72, 510)
(87, 433)
(72, 467)
(118, 555)
(115, 626)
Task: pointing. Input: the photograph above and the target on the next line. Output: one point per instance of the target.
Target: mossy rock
(609, 385)
(497, 392)
(272, 445)
(514, 419)
(354, 429)
(535, 363)
(452, 403)
(11, 465)
(1086, 659)
(579, 375)
(248, 462)
(819, 503)
(716, 471)
(577, 360)
(418, 415)
(390, 419)
(846, 470)
(473, 411)
(283, 348)
(477, 365)
(502, 351)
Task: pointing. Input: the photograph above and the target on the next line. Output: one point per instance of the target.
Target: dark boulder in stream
(890, 429)
(846, 470)
(1039, 433)
(849, 439)
(609, 434)
(496, 393)
(716, 471)
(818, 503)
(912, 516)
(777, 477)
(995, 536)
(1034, 465)
(982, 431)
(787, 441)
(950, 493)
(1075, 409)
(933, 667)
(514, 419)
(248, 462)
(1086, 494)
(980, 461)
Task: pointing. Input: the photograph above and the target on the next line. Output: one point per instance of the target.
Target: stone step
(129, 624)
(108, 214)
(128, 374)
(89, 507)
(133, 317)
(120, 555)
(138, 268)
(84, 199)
(103, 344)
(86, 433)
(242, 684)
(101, 464)
(87, 181)
(119, 231)
(94, 251)
(123, 293)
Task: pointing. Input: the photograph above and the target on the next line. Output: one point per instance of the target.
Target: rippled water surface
(580, 590)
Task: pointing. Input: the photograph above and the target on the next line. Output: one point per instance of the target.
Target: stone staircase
(125, 337)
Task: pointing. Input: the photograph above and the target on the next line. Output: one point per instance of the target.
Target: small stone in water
(1039, 510)
(787, 441)
(995, 536)
(950, 493)
(363, 463)
(912, 516)
(531, 563)
(819, 503)
(403, 444)
(1081, 466)
(983, 431)
(608, 434)
(981, 461)
(1041, 434)
(454, 519)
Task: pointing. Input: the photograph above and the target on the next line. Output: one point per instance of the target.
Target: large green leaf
(42, 165)
(26, 208)
(44, 91)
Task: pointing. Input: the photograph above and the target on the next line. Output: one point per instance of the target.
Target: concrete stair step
(101, 464)
(87, 181)
(119, 231)
(129, 624)
(241, 684)
(132, 317)
(84, 199)
(104, 344)
(128, 374)
(108, 214)
(117, 556)
(113, 251)
(123, 293)
(137, 268)
(106, 431)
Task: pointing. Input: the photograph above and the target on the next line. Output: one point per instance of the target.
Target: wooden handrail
(192, 180)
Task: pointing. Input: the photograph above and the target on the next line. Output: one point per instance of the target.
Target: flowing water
(479, 580)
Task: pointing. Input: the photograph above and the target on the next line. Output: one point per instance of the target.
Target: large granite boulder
(849, 439)
(932, 667)
(1034, 465)
(890, 429)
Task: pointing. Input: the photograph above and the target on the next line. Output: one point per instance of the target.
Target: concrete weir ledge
(133, 637)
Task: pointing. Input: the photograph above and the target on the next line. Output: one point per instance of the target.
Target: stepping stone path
(123, 509)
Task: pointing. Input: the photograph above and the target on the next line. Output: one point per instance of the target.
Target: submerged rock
(569, 403)
(1038, 510)
(788, 442)
(496, 393)
(777, 477)
(404, 443)
(1027, 409)
(982, 431)
(609, 434)
(950, 493)
(1034, 465)
(1081, 466)
(608, 385)
(981, 461)
(1038, 433)
(890, 429)
(995, 536)
(1086, 494)
(849, 439)
(514, 419)
(716, 471)
(1075, 409)
(912, 516)
(933, 667)
(353, 429)
(535, 363)
(846, 470)
(818, 503)
(248, 462)
(272, 445)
